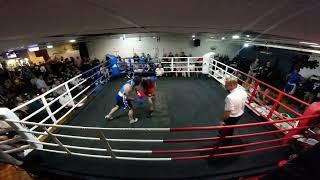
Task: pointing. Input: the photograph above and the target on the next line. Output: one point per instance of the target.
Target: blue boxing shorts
(123, 103)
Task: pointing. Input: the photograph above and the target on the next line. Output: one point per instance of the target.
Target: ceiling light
(309, 43)
(72, 40)
(193, 36)
(247, 35)
(120, 37)
(193, 39)
(235, 37)
(211, 37)
(153, 37)
(246, 45)
(223, 38)
(32, 49)
(49, 46)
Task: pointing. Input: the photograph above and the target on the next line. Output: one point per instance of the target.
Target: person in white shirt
(159, 70)
(233, 108)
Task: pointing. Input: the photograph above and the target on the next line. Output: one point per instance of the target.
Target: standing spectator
(159, 70)
(233, 109)
(183, 65)
(143, 56)
(78, 62)
(148, 58)
(41, 84)
(291, 85)
(119, 58)
(265, 73)
(254, 67)
(135, 58)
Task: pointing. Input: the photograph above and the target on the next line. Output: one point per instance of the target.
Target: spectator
(143, 56)
(43, 69)
(148, 58)
(254, 67)
(58, 91)
(291, 85)
(135, 58)
(265, 73)
(183, 66)
(312, 89)
(159, 70)
(78, 62)
(41, 84)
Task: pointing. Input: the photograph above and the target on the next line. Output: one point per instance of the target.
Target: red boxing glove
(140, 94)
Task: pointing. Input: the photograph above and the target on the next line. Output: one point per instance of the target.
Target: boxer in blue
(123, 99)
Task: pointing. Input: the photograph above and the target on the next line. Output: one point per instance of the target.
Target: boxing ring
(178, 142)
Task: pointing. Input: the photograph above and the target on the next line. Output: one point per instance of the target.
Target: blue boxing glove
(153, 78)
(138, 100)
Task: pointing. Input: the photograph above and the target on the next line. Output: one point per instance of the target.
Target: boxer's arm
(127, 92)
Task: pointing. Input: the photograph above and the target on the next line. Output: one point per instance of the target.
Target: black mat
(179, 103)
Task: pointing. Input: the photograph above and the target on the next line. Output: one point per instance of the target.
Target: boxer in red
(148, 85)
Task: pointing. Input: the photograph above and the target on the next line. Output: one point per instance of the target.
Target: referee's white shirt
(235, 102)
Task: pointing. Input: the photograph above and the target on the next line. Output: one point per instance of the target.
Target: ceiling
(30, 21)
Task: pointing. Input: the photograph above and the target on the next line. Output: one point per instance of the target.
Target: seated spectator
(41, 84)
(78, 62)
(104, 71)
(43, 69)
(6, 132)
(312, 89)
(58, 91)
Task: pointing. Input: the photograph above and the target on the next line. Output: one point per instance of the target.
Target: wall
(34, 59)
(176, 44)
(65, 50)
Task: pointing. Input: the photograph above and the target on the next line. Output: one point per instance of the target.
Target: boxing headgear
(136, 80)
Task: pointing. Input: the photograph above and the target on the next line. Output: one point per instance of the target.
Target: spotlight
(72, 40)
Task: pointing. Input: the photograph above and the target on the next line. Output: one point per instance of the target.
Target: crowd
(26, 82)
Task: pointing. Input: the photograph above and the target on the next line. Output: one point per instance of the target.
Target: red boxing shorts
(149, 92)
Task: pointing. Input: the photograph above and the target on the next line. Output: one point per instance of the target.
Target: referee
(233, 108)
